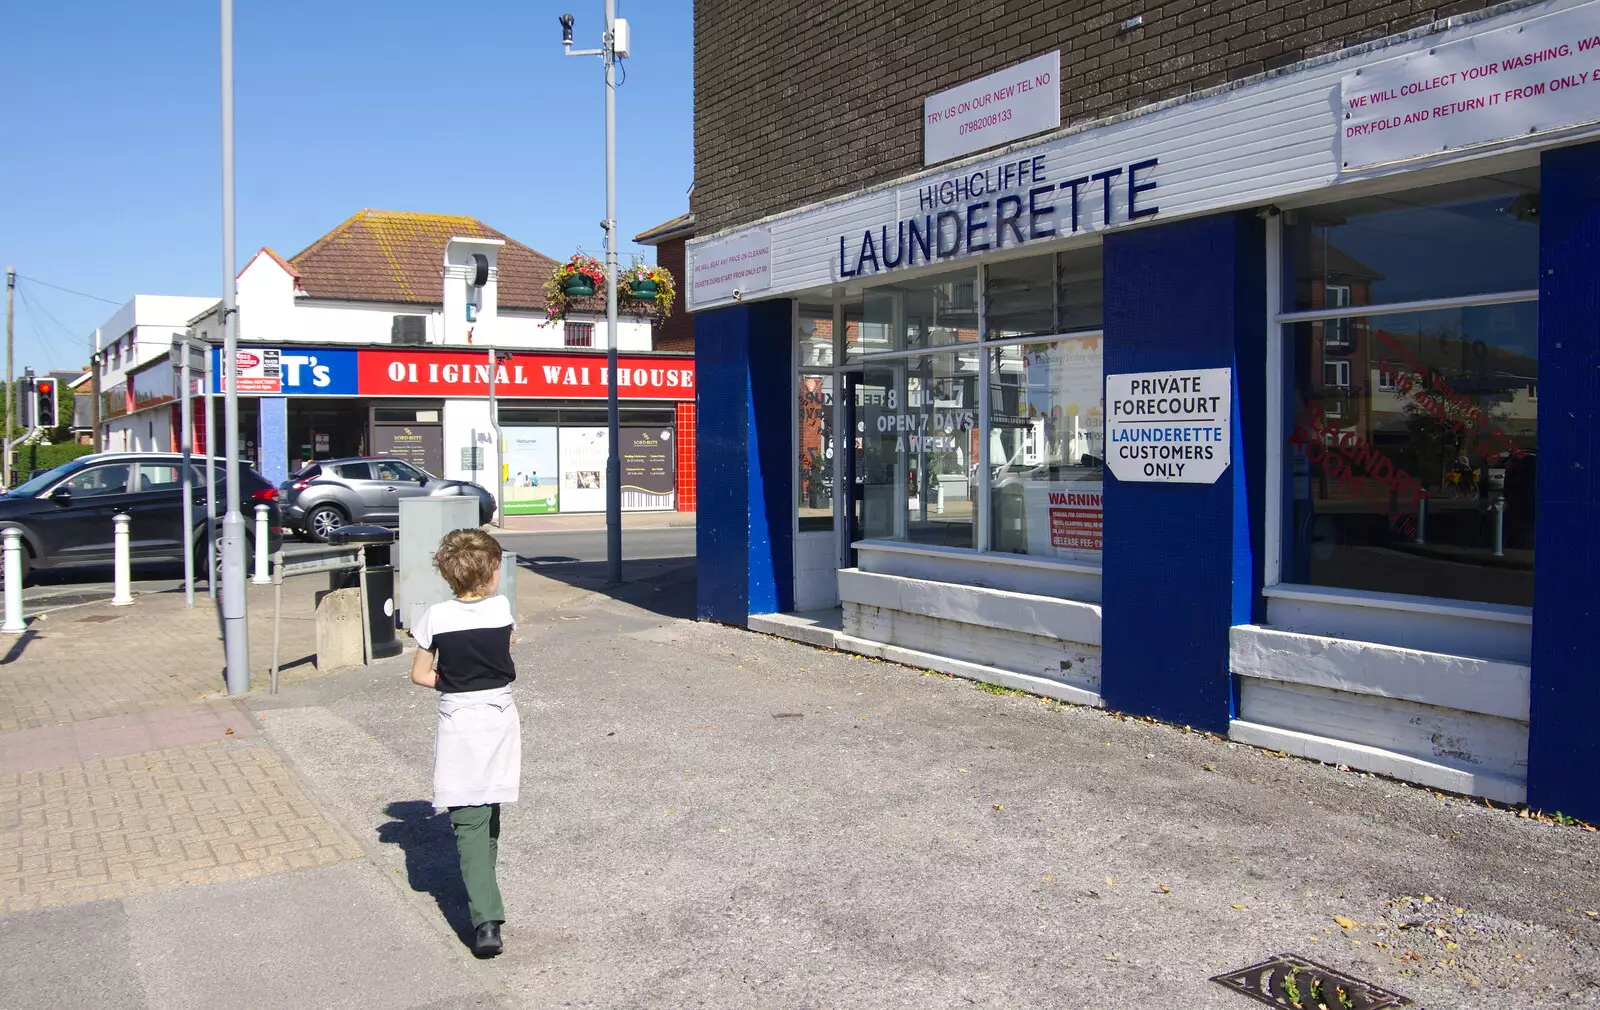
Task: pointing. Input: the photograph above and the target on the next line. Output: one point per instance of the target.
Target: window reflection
(917, 429)
(1047, 447)
(1465, 238)
(1413, 454)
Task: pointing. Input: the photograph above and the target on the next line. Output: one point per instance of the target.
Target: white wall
(147, 431)
(152, 321)
(466, 423)
(271, 312)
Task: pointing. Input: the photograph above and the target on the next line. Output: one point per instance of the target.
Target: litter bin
(375, 543)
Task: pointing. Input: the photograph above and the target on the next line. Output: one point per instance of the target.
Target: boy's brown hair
(468, 560)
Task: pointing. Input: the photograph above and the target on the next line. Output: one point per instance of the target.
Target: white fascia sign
(1169, 427)
(730, 269)
(1006, 105)
(1529, 78)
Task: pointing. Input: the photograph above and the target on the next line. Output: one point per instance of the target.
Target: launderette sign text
(1001, 206)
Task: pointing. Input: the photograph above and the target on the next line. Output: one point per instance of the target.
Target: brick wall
(797, 100)
(677, 333)
(687, 499)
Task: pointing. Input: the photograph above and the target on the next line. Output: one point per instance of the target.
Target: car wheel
(322, 520)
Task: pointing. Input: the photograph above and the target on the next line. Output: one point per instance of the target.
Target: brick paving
(98, 660)
(123, 770)
(136, 823)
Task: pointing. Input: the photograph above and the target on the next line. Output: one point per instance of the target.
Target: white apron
(477, 749)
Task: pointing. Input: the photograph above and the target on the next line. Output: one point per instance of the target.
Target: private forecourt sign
(1169, 427)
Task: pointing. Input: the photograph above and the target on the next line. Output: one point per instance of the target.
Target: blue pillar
(1563, 746)
(744, 467)
(1182, 561)
(273, 432)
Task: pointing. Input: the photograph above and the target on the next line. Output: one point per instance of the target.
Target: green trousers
(477, 831)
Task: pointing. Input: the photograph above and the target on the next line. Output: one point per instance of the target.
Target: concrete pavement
(715, 818)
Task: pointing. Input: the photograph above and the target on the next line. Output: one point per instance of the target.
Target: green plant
(661, 277)
(556, 300)
(996, 689)
(34, 456)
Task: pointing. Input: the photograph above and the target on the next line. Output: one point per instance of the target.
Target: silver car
(331, 493)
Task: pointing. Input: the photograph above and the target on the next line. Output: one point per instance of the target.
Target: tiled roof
(398, 256)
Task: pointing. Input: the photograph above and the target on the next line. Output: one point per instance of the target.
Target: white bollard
(13, 562)
(263, 576)
(122, 593)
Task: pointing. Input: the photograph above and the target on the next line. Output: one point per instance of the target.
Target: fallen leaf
(999, 806)
(1451, 945)
(1459, 910)
(227, 732)
(1110, 882)
(1163, 888)
(1240, 907)
(1345, 921)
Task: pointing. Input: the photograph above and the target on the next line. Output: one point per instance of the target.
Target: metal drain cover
(1290, 980)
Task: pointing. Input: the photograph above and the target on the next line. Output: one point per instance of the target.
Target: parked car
(65, 514)
(330, 493)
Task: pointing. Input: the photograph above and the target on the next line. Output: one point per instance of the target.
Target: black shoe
(487, 942)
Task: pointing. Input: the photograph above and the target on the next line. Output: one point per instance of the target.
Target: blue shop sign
(299, 372)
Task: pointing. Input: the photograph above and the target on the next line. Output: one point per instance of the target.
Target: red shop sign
(456, 373)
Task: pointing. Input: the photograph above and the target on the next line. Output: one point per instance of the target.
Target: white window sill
(980, 557)
(1503, 613)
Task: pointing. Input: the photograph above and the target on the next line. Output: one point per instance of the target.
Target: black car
(327, 494)
(65, 514)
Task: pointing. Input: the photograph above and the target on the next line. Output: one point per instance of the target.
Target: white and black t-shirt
(472, 639)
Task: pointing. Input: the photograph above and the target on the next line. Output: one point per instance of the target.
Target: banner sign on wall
(1538, 76)
(1169, 427)
(649, 471)
(311, 372)
(459, 373)
(740, 266)
(531, 481)
(583, 469)
(383, 372)
(1004, 106)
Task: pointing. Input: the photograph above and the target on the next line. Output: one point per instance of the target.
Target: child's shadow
(431, 863)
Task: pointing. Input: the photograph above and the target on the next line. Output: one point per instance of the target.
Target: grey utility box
(423, 523)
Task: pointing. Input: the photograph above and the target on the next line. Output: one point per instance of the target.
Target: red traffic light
(46, 387)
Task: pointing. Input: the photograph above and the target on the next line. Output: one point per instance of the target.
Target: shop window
(1047, 447)
(578, 335)
(935, 312)
(917, 429)
(816, 337)
(815, 420)
(1046, 295)
(1466, 238)
(1422, 484)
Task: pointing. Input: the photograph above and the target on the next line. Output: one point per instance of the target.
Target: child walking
(477, 757)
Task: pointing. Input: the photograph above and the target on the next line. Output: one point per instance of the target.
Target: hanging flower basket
(650, 284)
(579, 277)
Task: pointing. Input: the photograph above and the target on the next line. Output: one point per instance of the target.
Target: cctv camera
(566, 29)
(738, 295)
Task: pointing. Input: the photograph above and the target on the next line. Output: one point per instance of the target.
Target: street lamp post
(235, 643)
(609, 52)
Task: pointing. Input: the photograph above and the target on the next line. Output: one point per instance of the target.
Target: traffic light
(24, 400)
(45, 396)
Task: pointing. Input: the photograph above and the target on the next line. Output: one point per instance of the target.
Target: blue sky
(110, 165)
